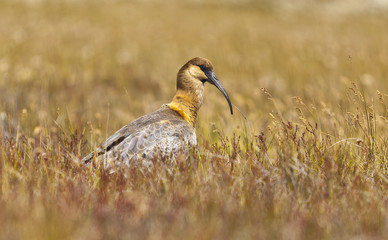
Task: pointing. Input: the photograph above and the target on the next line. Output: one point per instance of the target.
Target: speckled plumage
(162, 132)
(167, 131)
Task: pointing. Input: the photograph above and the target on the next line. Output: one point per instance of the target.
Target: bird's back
(162, 132)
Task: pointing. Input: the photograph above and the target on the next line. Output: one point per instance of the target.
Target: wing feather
(143, 137)
(165, 138)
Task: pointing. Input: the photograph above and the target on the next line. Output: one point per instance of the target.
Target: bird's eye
(203, 68)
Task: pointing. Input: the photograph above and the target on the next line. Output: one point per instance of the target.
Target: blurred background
(108, 62)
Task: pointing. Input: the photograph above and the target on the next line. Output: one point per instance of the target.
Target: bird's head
(195, 73)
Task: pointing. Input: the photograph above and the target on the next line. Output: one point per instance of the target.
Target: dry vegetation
(308, 160)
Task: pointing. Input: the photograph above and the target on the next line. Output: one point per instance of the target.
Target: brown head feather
(190, 88)
(189, 96)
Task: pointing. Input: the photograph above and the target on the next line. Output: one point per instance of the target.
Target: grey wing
(165, 137)
(112, 141)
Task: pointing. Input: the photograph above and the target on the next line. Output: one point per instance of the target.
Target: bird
(169, 130)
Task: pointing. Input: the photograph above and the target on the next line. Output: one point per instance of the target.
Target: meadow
(305, 155)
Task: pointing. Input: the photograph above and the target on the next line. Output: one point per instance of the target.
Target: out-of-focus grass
(309, 161)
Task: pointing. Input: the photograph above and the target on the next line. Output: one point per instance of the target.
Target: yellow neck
(187, 106)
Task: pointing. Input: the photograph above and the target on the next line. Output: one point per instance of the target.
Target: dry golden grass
(308, 160)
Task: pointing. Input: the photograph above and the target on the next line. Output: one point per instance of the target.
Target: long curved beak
(212, 78)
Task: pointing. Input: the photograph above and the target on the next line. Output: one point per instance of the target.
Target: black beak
(212, 78)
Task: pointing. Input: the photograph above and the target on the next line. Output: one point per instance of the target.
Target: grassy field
(305, 157)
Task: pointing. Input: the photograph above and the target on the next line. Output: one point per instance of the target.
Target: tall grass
(304, 157)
